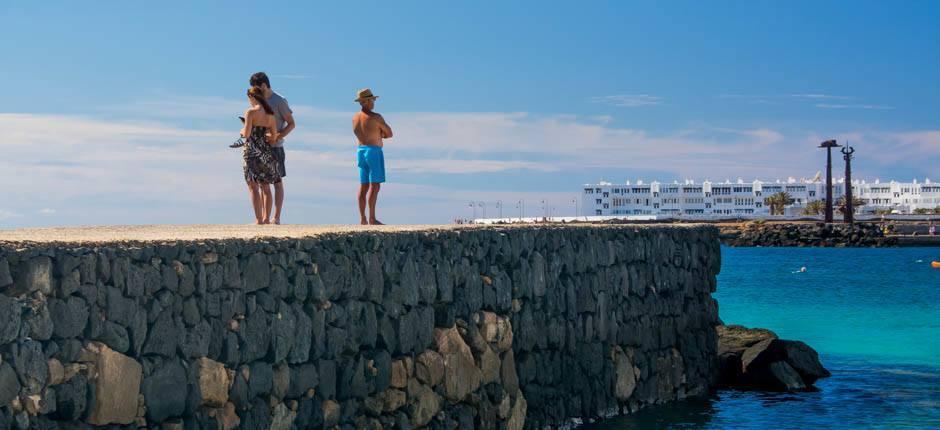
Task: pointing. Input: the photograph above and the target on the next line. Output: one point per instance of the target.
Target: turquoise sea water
(872, 314)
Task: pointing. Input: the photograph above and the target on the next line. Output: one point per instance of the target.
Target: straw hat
(365, 94)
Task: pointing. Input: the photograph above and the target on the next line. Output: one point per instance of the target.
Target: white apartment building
(746, 199)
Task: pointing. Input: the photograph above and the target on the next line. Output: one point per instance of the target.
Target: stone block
(257, 272)
(507, 372)
(303, 377)
(489, 365)
(399, 374)
(518, 414)
(29, 362)
(212, 382)
(461, 376)
(331, 414)
(9, 384)
(429, 368)
(10, 319)
(71, 398)
(38, 321)
(424, 406)
(165, 391)
(115, 388)
(164, 335)
(6, 279)
(281, 381)
(34, 274)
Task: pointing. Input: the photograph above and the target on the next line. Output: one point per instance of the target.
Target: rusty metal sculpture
(848, 211)
(829, 144)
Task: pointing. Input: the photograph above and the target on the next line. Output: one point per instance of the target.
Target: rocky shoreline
(802, 235)
(756, 359)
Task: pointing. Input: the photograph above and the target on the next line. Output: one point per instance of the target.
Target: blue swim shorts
(371, 163)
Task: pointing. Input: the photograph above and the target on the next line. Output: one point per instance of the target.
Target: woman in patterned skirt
(260, 166)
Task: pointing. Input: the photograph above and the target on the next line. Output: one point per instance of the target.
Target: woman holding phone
(260, 165)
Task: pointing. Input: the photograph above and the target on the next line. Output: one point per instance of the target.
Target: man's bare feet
(363, 221)
(277, 221)
(375, 222)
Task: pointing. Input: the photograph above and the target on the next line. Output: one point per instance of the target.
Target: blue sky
(119, 113)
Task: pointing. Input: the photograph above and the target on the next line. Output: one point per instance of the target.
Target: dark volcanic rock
(757, 359)
(165, 391)
(10, 319)
(71, 398)
(69, 316)
(9, 384)
(804, 360)
(788, 379)
(805, 234)
(164, 336)
(29, 362)
(302, 378)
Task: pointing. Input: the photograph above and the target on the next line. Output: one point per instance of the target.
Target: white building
(746, 199)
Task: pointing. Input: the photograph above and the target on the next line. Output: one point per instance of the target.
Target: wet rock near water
(756, 359)
(505, 328)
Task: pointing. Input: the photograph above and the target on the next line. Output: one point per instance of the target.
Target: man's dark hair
(259, 78)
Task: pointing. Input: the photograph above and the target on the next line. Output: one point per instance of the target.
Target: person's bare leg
(255, 195)
(278, 201)
(373, 198)
(267, 201)
(363, 190)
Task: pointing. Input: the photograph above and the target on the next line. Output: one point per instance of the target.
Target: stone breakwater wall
(806, 234)
(511, 328)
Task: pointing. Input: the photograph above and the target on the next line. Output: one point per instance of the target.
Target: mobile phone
(242, 118)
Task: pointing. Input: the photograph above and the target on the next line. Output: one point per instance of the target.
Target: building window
(597, 201)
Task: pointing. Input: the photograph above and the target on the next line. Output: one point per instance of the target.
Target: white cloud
(6, 215)
(628, 100)
(852, 106)
(46, 211)
(150, 169)
(818, 96)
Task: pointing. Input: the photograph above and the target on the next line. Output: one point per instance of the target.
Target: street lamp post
(521, 206)
(577, 212)
(829, 144)
(499, 205)
(483, 206)
(849, 211)
(474, 207)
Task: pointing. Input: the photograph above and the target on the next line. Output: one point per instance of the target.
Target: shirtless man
(370, 128)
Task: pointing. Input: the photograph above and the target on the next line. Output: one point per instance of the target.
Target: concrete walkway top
(146, 233)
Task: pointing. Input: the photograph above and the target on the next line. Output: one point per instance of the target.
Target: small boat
(935, 264)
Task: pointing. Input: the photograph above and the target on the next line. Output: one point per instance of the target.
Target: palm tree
(856, 203)
(815, 207)
(777, 202)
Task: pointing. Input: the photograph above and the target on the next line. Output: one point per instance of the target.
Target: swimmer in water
(802, 270)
